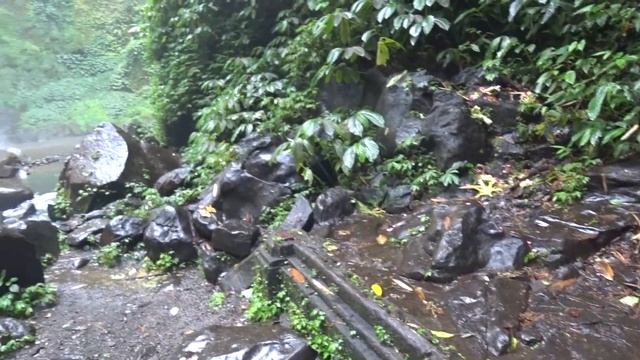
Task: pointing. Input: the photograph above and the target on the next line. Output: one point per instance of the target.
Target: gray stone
(170, 230)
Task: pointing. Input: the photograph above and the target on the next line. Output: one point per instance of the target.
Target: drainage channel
(353, 316)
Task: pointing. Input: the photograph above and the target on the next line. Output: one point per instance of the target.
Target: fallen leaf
(620, 257)
(382, 239)
(174, 311)
(573, 312)
(402, 285)
(344, 232)
(630, 300)
(605, 270)
(377, 290)
(442, 334)
(447, 223)
(562, 284)
(420, 292)
(296, 275)
(330, 246)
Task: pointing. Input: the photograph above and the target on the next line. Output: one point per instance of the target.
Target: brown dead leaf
(620, 257)
(605, 270)
(446, 223)
(421, 295)
(573, 312)
(562, 284)
(296, 275)
(530, 316)
(343, 232)
(382, 239)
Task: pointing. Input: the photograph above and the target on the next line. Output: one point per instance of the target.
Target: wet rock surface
(168, 183)
(13, 193)
(19, 259)
(13, 329)
(333, 205)
(105, 161)
(123, 228)
(87, 233)
(170, 230)
(123, 313)
(255, 342)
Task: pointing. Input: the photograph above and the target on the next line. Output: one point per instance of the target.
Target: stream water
(43, 178)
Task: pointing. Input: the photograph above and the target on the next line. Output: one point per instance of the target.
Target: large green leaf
(419, 4)
(375, 118)
(595, 105)
(370, 148)
(354, 126)
(348, 159)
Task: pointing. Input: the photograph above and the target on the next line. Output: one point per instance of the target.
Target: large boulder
(266, 165)
(13, 193)
(18, 258)
(214, 263)
(451, 133)
(87, 233)
(333, 205)
(105, 161)
(239, 195)
(235, 237)
(125, 229)
(31, 220)
(168, 183)
(300, 217)
(170, 230)
(400, 105)
(621, 174)
(9, 164)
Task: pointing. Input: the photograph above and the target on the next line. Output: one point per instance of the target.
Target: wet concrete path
(122, 313)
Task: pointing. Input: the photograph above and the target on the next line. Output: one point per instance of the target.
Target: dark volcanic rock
(622, 174)
(170, 229)
(31, 220)
(235, 237)
(105, 161)
(9, 164)
(456, 227)
(18, 258)
(240, 195)
(265, 165)
(214, 263)
(13, 193)
(300, 217)
(168, 183)
(123, 228)
(398, 199)
(506, 255)
(333, 205)
(82, 235)
(12, 329)
(451, 133)
(251, 342)
(400, 104)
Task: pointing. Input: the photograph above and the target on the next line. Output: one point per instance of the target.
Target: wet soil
(124, 313)
(568, 308)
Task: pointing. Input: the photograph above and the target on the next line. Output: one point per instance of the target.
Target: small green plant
(312, 326)
(16, 344)
(568, 182)
(273, 217)
(383, 335)
(397, 242)
(216, 300)
(261, 306)
(61, 204)
(109, 255)
(62, 240)
(20, 302)
(47, 260)
(165, 263)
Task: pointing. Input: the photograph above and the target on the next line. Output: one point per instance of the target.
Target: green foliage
(273, 217)
(66, 65)
(62, 203)
(20, 302)
(16, 344)
(165, 263)
(383, 335)
(261, 306)
(216, 300)
(109, 255)
(569, 181)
